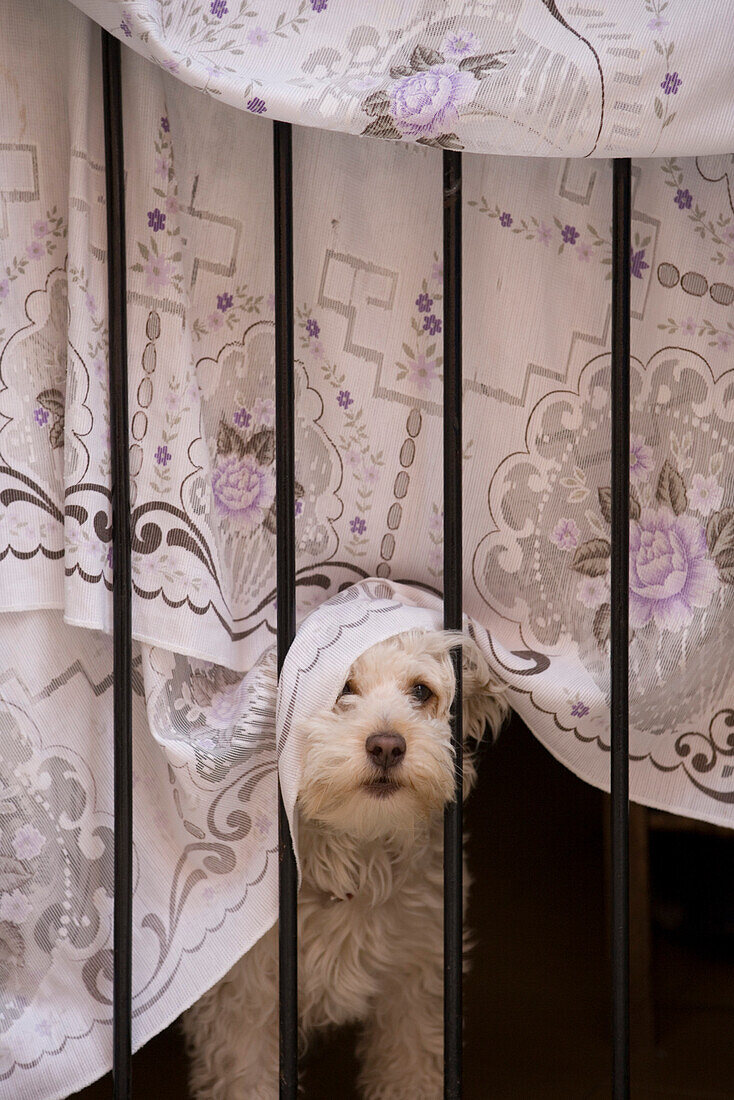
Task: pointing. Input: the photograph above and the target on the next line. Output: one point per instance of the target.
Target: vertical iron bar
(121, 576)
(286, 580)
(452, 615)
(619, 642)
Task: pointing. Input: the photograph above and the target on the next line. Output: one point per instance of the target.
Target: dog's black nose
(385, 749)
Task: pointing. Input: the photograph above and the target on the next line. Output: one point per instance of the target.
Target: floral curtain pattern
(518, 77)
(368, 436)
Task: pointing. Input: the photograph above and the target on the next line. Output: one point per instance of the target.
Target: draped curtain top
(519, 77)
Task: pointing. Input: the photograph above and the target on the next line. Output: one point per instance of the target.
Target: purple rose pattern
(243, 489)
(424, 99)
(671, 573)
(426, 104)
(676, 564)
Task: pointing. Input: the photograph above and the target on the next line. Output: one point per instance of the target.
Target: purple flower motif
(435, 523)
(592, 592)
(437, 270)
(426, 103)
(163, 456)
(319, 5)
(15, 907)
(371, 474)
(544, 233)
(357, 526)
(242, 418)
(90, 303)
(459, 44)
(705, 494)
(41, 417)
(161, 166)
(243, 489)
(565, 534)
(312, 327)
(156, 220)
(637, 263)
(257, 106)
(28, 842)
(583, 252)
(264, 411)
(224, 302)
(299, 507)
(671, 84)
(158, 271)
(165, 124)
(422, 372)
(506, 220)
(578, 710)
(40, 228)
(640, 458)
(219, 8)
(110, 556)
(215, 321)
(689, 327)
(671, 573)
(257, 37)
(344, 399)
(569, 234)
(125, 26)
(4, 288)
(723, 341)
(170, 66)
(424, 303)
(435, 559)
(35, 250)
(683, 199)
(432, 324)
(171, 204)
(657, 24)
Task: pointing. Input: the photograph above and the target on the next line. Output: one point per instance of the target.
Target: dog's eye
(348, 689)
(421, 693)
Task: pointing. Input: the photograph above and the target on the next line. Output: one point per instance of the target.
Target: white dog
(377, 772)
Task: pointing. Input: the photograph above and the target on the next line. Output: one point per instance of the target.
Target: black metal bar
(121, 577)
(619, 656)
(286, 579)
(452, 616)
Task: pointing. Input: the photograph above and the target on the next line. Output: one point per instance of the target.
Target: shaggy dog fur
(377, 772)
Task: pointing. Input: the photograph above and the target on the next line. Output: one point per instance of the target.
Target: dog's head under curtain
(367, 685)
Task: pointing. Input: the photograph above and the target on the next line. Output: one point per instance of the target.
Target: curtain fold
(514, 77)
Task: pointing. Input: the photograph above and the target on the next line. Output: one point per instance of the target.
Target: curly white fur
(370, 910)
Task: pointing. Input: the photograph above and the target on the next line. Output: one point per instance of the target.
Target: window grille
(286, 604)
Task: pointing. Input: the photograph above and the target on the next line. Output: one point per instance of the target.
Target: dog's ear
(485, 707)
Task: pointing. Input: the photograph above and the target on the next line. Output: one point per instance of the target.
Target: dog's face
(381, 759)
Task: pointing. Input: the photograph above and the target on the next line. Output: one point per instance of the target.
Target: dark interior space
(536, 1000)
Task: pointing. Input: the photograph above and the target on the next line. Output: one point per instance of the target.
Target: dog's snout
(385, 749)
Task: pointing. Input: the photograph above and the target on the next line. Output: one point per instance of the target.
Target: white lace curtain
(569, 87)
